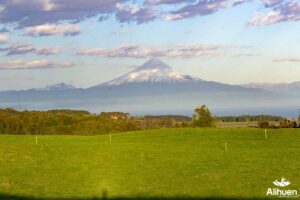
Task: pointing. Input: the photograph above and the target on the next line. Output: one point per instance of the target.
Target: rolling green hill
(156, 163)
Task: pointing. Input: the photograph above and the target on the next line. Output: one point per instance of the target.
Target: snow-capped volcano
(154, 71)
(153, 87)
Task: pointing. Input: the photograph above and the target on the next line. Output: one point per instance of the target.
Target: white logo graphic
(279, 192)
(281, 183)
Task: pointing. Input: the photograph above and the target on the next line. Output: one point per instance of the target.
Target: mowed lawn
(155, 163)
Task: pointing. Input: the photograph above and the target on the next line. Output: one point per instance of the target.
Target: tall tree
(202, 117)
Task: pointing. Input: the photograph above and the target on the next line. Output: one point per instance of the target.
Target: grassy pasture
(165, 163)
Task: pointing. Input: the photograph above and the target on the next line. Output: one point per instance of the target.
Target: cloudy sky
(87, 42)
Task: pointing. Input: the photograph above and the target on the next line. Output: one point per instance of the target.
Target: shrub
(202, 117)
(264, 124)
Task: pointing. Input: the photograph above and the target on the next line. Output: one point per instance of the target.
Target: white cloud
(271, 18)
(41, 17)
(49, 5)
(137, 51)
(53, 29)
(3, 38)
(26, 13)
(160, 2)
(21, 49)
(36, 64)
(135, 13)
(201, 8)
(48, 51)
(281, 12)
(270, 3)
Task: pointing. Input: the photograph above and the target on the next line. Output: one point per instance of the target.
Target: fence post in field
(266, 136)
(226, 146)
(36, 139)
(110, 137)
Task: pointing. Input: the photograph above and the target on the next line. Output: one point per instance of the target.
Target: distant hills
(156, 88)
(57, 87)
(286, 88)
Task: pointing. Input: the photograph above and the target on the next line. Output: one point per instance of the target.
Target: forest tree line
(250, 118)
(77, 122)
(64, 122)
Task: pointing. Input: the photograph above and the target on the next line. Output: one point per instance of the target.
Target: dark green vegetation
(173, 163)
(236, 124)
(286, 123)
(261, 121)
(72, 122)
(202, 117)
(179, 118)
(65, 122)
(249, 118)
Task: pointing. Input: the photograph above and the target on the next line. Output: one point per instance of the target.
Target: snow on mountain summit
(152, 71)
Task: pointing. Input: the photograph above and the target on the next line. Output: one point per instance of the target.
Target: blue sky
(86, 43)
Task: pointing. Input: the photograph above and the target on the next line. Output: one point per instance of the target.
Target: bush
(263, 124)
(288, 124)
(202, 117)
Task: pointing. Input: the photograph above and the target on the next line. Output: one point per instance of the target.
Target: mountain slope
(155, 77)
(57, 87)
(281, 88)
(154, 71)
(153, 87)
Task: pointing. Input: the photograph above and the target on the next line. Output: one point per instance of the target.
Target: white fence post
(266, 136)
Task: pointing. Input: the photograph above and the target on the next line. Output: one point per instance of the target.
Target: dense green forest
(74, 122)
(64, 122)
(77, 122)
(250, 118)
(264, 121)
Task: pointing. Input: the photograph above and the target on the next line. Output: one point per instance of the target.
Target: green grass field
(157, 163)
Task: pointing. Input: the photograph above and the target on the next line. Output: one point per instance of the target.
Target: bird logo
(282, 183)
